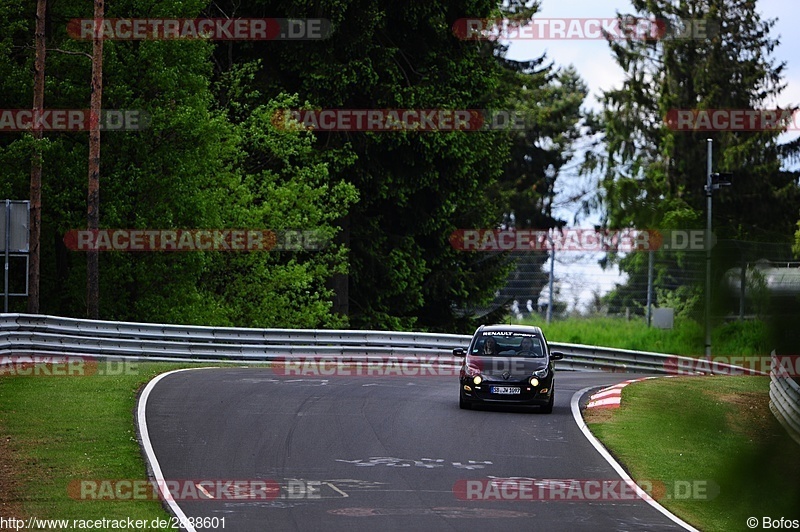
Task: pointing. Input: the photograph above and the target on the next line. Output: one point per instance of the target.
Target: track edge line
(579, 421)
(147, 447)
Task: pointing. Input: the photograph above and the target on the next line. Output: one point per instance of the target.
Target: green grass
(687, 338)
(60, 429)
(717, 431)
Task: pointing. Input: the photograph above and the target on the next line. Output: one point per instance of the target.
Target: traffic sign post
(14, 241)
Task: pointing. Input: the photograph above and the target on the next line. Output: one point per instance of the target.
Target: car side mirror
(459, 352)
(556, 355)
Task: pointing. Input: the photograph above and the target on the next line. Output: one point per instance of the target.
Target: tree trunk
(93, 198)
(36, 161)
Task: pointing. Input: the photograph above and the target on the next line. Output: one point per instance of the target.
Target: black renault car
(508, 364)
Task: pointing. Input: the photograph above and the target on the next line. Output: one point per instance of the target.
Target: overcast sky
(594, 63)
(593, 60)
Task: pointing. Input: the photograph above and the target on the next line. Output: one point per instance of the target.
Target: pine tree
(653, 175)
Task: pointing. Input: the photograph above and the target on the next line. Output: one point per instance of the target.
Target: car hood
(515, 367)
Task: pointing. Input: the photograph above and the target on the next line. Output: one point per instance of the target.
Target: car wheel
(548, 408)
(464, 405)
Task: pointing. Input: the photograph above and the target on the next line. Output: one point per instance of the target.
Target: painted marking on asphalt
(205, 491)
(337, 489)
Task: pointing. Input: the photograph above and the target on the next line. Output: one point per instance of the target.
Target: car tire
(548, 408)
(464, 405)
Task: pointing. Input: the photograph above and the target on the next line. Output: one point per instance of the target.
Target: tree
(414, 189)
(211, 158)
(93, 195)
(36, 160)
(652, 173)
(550, 101)
(193, 168)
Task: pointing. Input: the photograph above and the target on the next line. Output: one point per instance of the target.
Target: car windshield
(509, 344)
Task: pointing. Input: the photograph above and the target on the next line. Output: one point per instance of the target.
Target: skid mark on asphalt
(446, 512)
(428, 463)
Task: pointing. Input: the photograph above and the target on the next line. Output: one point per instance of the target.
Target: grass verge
(58, 429)
(715, 434)
(686, 338)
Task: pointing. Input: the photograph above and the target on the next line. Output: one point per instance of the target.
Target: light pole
(649, 287)
(710, 188)
(552, 268)
(550, 176)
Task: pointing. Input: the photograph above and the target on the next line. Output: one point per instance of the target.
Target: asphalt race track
(376, 453)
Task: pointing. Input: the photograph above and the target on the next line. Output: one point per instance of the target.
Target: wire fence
(745, 278)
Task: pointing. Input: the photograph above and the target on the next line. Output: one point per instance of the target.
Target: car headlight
(541, 373)
(477, 379)
(534, 381)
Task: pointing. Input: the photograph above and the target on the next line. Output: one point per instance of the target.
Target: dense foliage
(215, 158)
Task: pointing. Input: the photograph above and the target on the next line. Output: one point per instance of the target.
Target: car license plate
(508, 390)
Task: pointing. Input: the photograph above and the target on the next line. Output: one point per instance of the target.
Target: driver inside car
(526, 349)
(490, 347)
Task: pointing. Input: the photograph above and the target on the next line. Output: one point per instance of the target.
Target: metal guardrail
(37, 335)
(25, 334)
(22, 334)
(784, 399)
